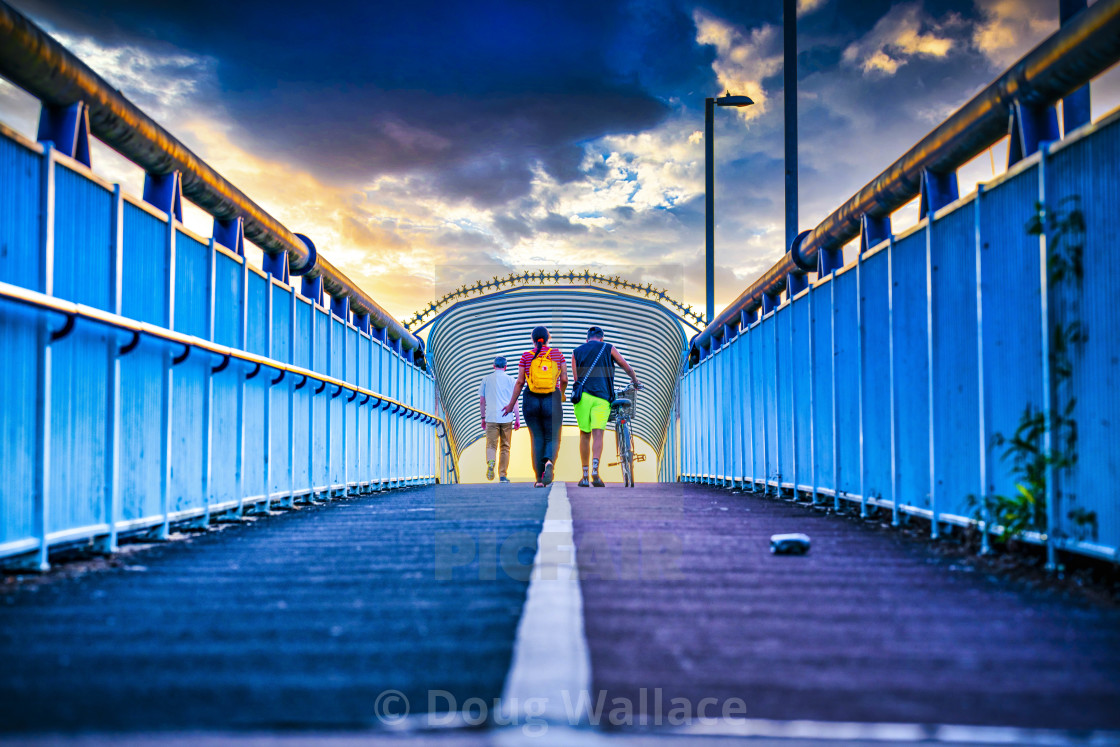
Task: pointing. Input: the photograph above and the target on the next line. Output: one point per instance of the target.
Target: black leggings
(543, 415)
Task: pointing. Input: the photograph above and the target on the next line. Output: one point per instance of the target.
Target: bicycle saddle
(620, 402)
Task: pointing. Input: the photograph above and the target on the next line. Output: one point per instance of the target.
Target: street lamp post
(709, 196)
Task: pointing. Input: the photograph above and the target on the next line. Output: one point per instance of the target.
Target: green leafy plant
(1033, 462)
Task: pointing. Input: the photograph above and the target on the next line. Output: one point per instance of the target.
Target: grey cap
(499, 362)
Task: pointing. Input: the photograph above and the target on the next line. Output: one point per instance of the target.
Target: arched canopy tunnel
(465, 338)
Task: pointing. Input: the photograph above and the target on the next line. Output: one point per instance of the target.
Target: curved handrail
(35, 61)
(1087, 45)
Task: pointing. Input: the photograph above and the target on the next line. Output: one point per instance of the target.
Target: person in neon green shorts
(593, 364)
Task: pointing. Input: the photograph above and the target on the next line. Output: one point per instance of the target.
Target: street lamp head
(728, 100)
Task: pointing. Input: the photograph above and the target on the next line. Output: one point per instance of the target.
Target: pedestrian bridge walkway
(303, 445)
(309, 620)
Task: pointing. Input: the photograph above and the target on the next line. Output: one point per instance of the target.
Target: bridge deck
(303, 619)
(866, 627)
(300, 620)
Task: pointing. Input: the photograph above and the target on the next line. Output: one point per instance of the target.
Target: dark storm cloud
(559, 225)
(479, 91)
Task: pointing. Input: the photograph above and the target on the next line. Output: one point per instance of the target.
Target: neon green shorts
(592, 413)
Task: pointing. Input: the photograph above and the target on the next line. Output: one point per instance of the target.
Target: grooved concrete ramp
(299, 620)
(867, 627)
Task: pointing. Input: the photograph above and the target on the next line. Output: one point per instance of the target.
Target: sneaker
(597, 481)
(539, 485)
(546, 478)
(584, 483)
(490, 470)
(503, 479)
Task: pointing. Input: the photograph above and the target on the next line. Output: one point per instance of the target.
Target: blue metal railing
(884, 382)
(152, 376)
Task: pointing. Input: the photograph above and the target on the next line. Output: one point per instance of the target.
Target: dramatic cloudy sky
(423, 143)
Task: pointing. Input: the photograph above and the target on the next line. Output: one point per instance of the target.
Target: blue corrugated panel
(1088, 169)
(279, 423)
(83, 239)
(912, 369)
(187, 422)
(282, 299)
(784, 386)
(955, 374)
(800, 383)
(363, 412)
(255, 393)
(141, 458)
(758, 374)
(320, 401)
(337, 369)
(847, 381)
(876, 377)
(351, 335)
(322, 341)
(735, 409)
(281, 323)
(79, 398)
(192, 277)
(83, 250)
(144, 295)
(227, 301)
(303, 334)
(19, 341)
(821, 322)
(746, 410)
(224, 452)
(1011, 310)
(257, 341)
(379, 414)
(768, 375)
(20, 172)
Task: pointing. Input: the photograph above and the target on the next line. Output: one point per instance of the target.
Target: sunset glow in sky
(424, 144)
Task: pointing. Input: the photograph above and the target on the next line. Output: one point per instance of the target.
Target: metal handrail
(71, 310)
(35, 61)
(1087, 45)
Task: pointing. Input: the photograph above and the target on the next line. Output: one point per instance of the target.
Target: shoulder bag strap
(583, 379)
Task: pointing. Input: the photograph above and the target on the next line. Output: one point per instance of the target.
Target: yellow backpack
(543, 373)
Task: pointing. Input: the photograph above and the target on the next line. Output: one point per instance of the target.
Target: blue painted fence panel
(957, 303)
(192, 439)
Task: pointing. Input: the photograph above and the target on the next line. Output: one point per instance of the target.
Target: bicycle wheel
(626, 453)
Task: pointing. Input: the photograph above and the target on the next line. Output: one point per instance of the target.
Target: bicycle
(622, 412)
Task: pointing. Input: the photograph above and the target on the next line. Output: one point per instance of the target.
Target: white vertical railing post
(935, 526)
(895, 515)
(793, 373)
(860, 394)
(242, 341)
(329, 420)
(167, 393)
(113, 390)
(1048, 394)
(371, 412)
(313, 347)
(776, 378)
(208, 384)
(981, 398)
(45, 284)
(814, 473)
(266, 435)
(293, 303)
(835, 391)
(345, 327)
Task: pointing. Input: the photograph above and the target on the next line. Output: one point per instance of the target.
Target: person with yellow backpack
(544, 371)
